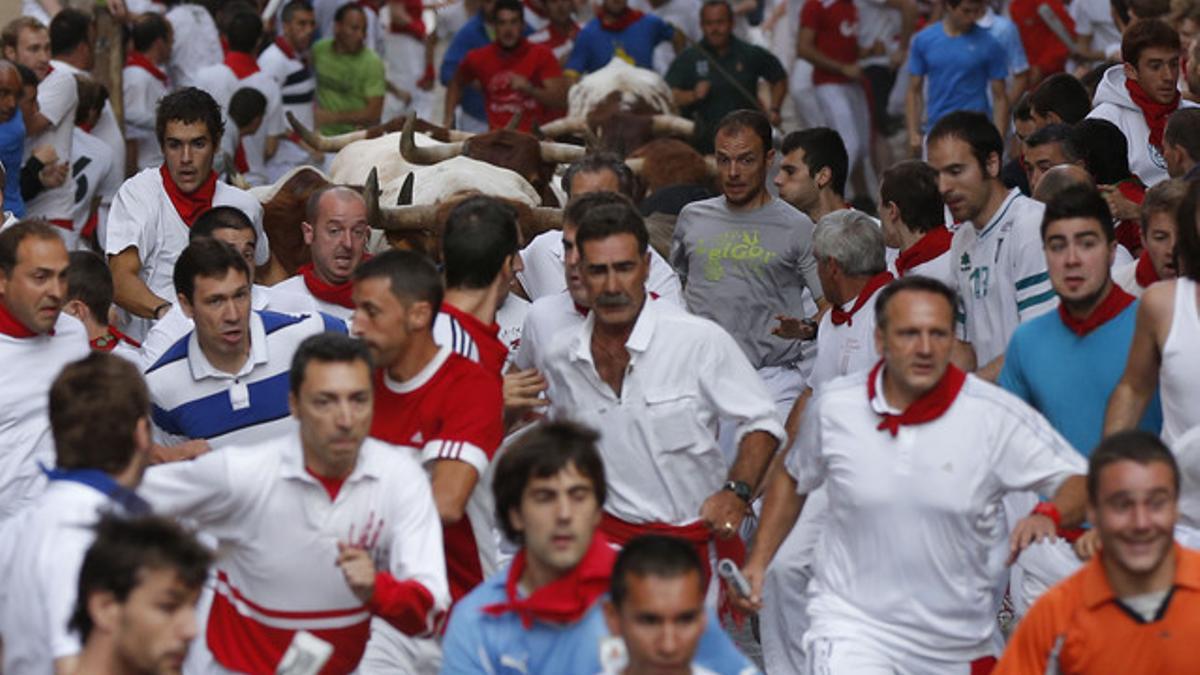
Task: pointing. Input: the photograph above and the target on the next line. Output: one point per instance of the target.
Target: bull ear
(406, 190)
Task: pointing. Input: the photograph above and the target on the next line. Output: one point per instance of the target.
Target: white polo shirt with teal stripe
(1000, 272)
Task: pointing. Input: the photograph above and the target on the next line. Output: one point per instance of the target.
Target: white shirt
(847, 348)
(543, 274)
(1094, 18)
(30, 366)
(196, 44)
(915, 539)
(220, 81)
(511, 318)
(296, 80)
(1125, 276)
(548, 316)
(1000, 275)
(278, 532)
(295, 286)
(142, 92)
(144, 218)
(58, 98)
(658, 438)
(93, 174)
(940, 268)
(878, 22)
(107, 130)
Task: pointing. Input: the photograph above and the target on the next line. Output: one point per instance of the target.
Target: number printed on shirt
(979, 281)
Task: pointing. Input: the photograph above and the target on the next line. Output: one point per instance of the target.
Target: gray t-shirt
(743, 269)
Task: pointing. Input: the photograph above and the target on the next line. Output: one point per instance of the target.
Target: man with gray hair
(849, 249)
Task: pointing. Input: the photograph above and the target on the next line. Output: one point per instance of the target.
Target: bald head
(10, 90)
(1059, 178)
(336, 231)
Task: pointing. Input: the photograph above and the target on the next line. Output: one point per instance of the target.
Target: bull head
(661, 125)
(550, 152)
(325, 143)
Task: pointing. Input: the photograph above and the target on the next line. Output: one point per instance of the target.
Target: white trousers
(846, 110)
(800, 86)
(784, 619)
(390, 651)
(857, 655)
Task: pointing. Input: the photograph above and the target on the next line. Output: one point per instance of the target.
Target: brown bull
(610, 128)
(282, 215)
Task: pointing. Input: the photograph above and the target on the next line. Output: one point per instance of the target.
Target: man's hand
(46, 154)
(1121, 207)
(519, 83)
(791, 328)
(161, 454)
(852, 71)
(702, 89)
(750, 605)
(359, 571)
(1087, 545)
(53, 175)
(1030, 529)
(722, 512)
(521, 389)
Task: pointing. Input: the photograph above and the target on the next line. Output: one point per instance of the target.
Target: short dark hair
(480, 234)
(413, 277)
(11, 238)
(912, 186)
(148, 29)
(974, 129)
(243, 31)
(92, 96)
(1021, 110)
(11, 34)
(717, 3)
(1145, 34)
(1187, 242)
(1133, 445)
(916, 283)
(653, 556)
(597, 162)
(1103, 149)
(1079, 201)
(345, 9)
(220, 218)
(823, 147)
(541, 452)
(210, 258)
(125, 548)
(326, 347)
(189, 105)
(90, 282)
(754, 120)
(1054, 133)
(1183, 130)
(293, 6)
(246, 104)
(69, 29)
(955, 3)
(510, 6)
(606, 218)
(1064, 95)
(95, 406)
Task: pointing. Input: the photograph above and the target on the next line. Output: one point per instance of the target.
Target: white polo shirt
(847, 348)
(279, 532)
(1000, 275)
(295, 286)
(29, 366)
(58, 98)
(659, 437)
(142, 92)
(543, 274)
(915, 540)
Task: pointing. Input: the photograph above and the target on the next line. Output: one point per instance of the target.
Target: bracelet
(1049, 510)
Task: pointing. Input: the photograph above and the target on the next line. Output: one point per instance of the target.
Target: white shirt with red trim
(142, 92)
(279, 531)
(847, 348)
(295, 286)
(915, 539)
(940, 268)
(57, 100)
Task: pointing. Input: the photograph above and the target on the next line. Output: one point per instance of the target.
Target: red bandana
(110, 340)
(239, 158)
(189, 206)
(566, 599)
(630, 17)
(1113, 304)
(1144, 272)
(415, 26)
(928, 408)
(1129, 232)
(242, 64)
(334, 294)
(841, 316)
(139, 60)
(1156, 113)
(285, 47)
(9, 325)
(933, 244)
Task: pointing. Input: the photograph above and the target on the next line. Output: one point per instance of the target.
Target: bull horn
(233, 176)
(406, 190)
(636, 164)
(564, 153)
(321, 142)
(543, 218)
(672, 125)
(514, 121)
(565, 126)
(429, 155)
(397, 218)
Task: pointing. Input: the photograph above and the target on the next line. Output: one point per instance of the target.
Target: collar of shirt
(104, 484)
(260, 297)
(370, 465)
(1097, 591)
(420, 379)
(637, 342)
(65, 67)
(879, 402)
(202, 368)
(1000, 212)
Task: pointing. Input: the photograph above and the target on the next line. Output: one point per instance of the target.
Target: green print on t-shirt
(739, 249)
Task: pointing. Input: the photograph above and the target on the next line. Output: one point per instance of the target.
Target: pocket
(672, 419)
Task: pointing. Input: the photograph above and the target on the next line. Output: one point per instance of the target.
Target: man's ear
(611, 618)
(105, 610)
(76, 309)
(308, 232)
(184, 304)
(420, 316)
(1130, 72)
(823, 178)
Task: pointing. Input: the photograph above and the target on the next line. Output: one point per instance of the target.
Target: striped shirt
(296, 81)
(469, 337)
(192, 399)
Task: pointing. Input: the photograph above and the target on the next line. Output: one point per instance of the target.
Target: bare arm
(806, 48)
(129, 291)
(1137, 385)
(453, 96)
(999, 106)
(781, 508)
(36, 124)
(908, 22)
(552, 93)
(723, 511)
(792, 424)
(991, 371)
(452, 482)
(913, 104)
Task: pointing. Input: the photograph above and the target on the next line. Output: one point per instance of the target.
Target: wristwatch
(739, 488)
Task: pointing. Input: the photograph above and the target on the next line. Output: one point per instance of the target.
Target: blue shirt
(1069, 378)
(957, 69)
(12, 148)
(594, 46)
(1005, 32)
(499, 645)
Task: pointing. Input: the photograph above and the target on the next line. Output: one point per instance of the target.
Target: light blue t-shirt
(594, 46)
(1005, 32)
(957, 70)
(477, 643)
(1069, 378)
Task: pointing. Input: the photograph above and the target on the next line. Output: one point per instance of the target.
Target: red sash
(334, 294)
(242, 64)
(139, 60)
(1145, 272)
(9, 325)
(1156, 113)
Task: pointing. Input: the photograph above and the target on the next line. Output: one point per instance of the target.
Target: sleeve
(128, 221)
(804, 461)
(57, 101)
(374, 84)
(70, 546)
(682, 73)
(663, 31)
(1034, 294)
(474, 424)
(110, 182)
(771, 68)
(1012, 375)
(1037, 639)
(663, 281)
(332, 324)
(578, 60)
(413, 594)
(1017, 61)
(262, 248)
(732, 387)
(1030, 454)
(276, 122)
(825, 364)
(164, 333)
(463, 650)
(202, 490)
(678, 255)
(916, 56)
(1083, 23)
(806, 260)
(810, 15)
(999, 63)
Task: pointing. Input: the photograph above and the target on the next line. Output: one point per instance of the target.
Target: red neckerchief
(242, 64)
(239, 158)
(224, 45)
(630, 17)
(416, 24)
(285, 47)
(840, 316)
(566, 599)
(1156, 113)
(87, 128)
(1145, 272)
(110, 340)
(930, 406)
(332, 485)
(139, 60)
(12, 327)
(189, 206)
(931, 245)
(334, 294)
(1113, 304)
(583, 311)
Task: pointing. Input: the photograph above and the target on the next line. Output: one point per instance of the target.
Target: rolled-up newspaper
(728, 570)
(305, 656)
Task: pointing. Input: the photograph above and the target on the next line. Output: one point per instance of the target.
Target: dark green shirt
(745, 62)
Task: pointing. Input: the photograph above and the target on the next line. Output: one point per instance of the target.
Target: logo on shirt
(1156, 156)
(734, 250)
(847, 29)
(418, 439)
(964, 263)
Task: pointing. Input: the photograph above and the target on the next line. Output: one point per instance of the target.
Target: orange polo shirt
(1081, 620)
